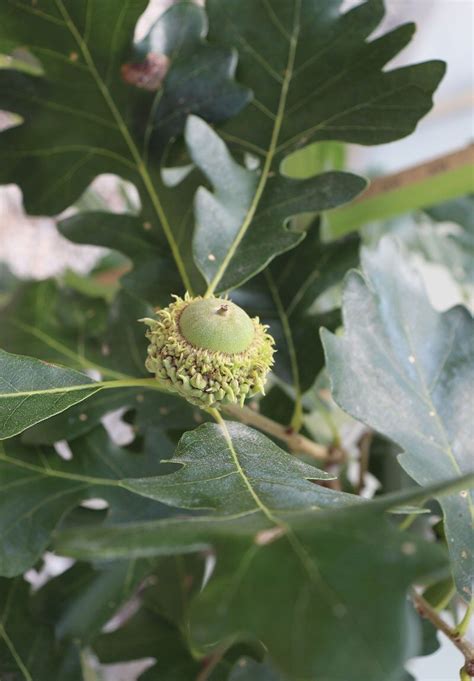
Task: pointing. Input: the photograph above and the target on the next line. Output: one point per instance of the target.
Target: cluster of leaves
(214, 551)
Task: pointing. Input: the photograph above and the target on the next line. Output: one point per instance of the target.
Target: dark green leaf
(82, 600)
(199, 80)
(39, 487)
(28, 650)
(282, 578)
(406, 371)
(213, 475)
(101, 123)
(222, 217)
(247, 669)
(32, 390)
(315, 75)
(83, 417)
(58, 325)
(338, 91)
(286, 298)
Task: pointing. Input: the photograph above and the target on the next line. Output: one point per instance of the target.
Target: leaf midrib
(270, 154)
(139, 163)
(307, 562)
(93, 385)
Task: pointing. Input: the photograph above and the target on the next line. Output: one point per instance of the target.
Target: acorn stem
(295, 441)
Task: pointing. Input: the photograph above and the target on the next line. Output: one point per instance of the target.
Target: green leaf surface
(158, 629)
(199, 79)
(221, 241)
(339, 91)
(32, 390)
(28, 649)
(247, 669)
(39, 488)
(213, 475)
(309, 596)
(286, 298)
(102, 124)
(406, 371)
(61, 326)
(153, 275)
(81, 601)
(85, 416)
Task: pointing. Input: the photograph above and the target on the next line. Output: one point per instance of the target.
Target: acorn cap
(209, 350)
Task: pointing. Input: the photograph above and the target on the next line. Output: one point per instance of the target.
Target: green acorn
(209, 350)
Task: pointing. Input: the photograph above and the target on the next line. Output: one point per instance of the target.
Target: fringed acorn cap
(209, 350)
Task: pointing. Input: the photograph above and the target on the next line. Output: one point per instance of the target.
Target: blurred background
(31, 247)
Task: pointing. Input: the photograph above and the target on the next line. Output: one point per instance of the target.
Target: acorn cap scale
(209, 350)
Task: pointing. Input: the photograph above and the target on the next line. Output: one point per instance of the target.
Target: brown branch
(425, 609)
(364, 443)
(295, 441)
(442, 164)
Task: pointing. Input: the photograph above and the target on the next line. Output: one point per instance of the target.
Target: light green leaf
(407, 371)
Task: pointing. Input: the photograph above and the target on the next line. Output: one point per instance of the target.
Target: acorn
(209, 351)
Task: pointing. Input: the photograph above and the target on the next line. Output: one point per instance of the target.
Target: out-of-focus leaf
(199, 78)
(460, 211)
(158, 629)
(79, 602)
(247, 669)
(58, 325)
(447, 178)
(28, 649)
(154, 274)
(83, 417)
(406, 371)
(39, 487)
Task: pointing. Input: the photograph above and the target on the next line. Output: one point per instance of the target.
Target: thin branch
(445, 177)
(365, 443)
(211, 663)
(425, 609)
(418, 173)
(295, 441)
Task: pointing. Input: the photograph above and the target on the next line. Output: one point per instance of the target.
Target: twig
(423, 171)
(295, 441)
(425, 609)
(211, 663)
(365, 443)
